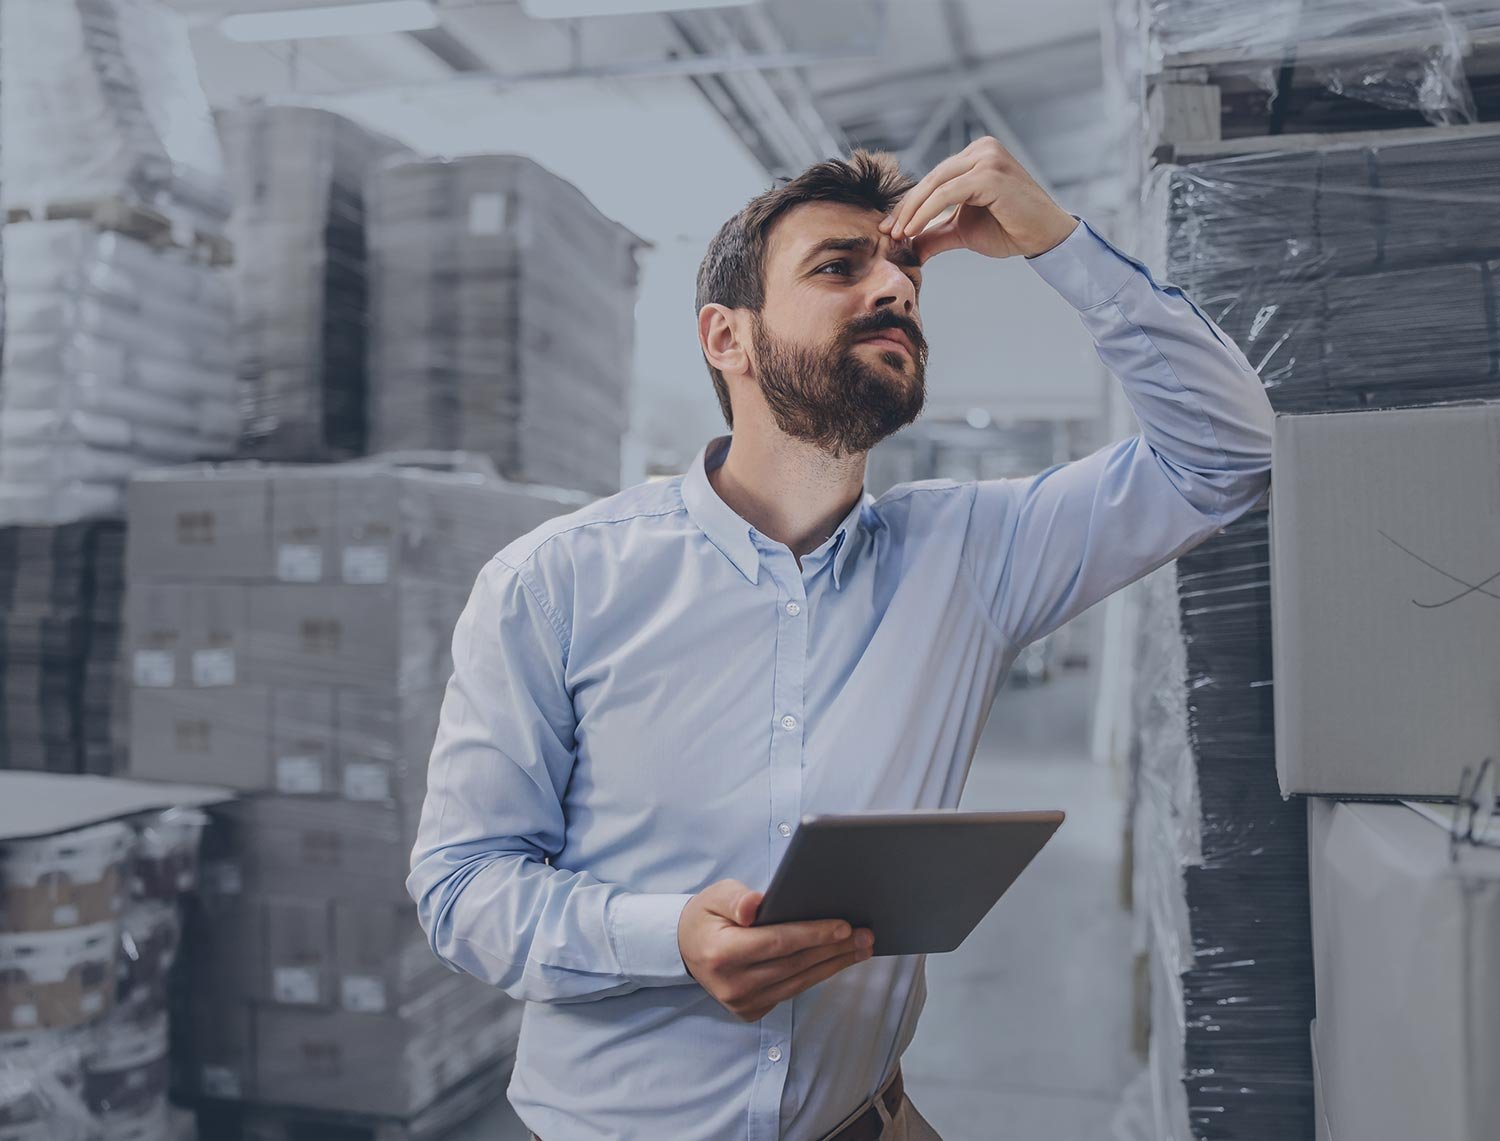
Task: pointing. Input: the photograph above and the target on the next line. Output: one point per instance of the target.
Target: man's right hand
(749, 970)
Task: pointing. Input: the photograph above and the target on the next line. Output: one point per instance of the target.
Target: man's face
(839, 351)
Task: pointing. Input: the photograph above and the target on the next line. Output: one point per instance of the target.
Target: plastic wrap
(1407, 934)
(102, 100)
(89, 931)
(116, 359)
(503, 319)
(60, 628)
(290, 631)
(1220, 858)
(1353, 276)
(1402, 57)
(301, 278)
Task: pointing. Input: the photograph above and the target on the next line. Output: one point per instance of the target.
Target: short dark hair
(732, 272)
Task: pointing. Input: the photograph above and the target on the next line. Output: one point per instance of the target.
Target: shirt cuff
(643, 932)
(1084, 268)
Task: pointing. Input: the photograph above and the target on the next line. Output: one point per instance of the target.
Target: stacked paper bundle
(1221, 859)
(60, 600)
(301, 282)
(504, 319)
(289, 637)
(102, 102)
(117, 357)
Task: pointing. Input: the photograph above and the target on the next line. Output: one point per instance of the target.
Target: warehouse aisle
(1027, 1029)
(1026, 1035)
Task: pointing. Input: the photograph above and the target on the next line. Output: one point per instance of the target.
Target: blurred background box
(1406, 934)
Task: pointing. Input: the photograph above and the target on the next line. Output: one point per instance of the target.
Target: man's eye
(831, 264)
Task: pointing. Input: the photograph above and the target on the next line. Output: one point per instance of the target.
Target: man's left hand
(1001, 211)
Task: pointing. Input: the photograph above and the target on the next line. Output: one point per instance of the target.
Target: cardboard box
(315, 848)
(185, 634)
(303, 546)
(392, 1064)
(302, 741)
(324, 635)
(381, 956)
(1406, 950)
(384, 741)
(72, 879)
(198, 523)
(217, 621)
(215, 736)
(1384, 546)
(299, 952)
(157, 633)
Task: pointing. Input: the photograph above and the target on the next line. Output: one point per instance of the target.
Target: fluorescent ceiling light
(568, 9)
(363, 19)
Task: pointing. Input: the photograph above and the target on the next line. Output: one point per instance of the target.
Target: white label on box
(363, 994)
(294, 984)
(23, 1015)
(366, 564)
(299, 774)
(486, 213)
(65, 916)
(154, 668)
(299, 562)
(213, 667)
(364, 781)
(91, 1003)
(219, 1081)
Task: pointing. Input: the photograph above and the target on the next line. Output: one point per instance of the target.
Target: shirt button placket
(785, 806)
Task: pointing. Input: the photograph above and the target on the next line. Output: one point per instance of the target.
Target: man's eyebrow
(901, 253)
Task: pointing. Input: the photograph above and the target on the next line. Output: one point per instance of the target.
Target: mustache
(877, 322)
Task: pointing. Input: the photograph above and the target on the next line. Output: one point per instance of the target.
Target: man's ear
(720, 333)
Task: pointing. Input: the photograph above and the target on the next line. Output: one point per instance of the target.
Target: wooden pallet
(244, 1121)
(1198, 99)
(133, 219)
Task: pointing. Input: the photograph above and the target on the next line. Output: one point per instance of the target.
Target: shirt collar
(732, 535)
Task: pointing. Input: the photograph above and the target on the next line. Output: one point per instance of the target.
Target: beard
(833, 397)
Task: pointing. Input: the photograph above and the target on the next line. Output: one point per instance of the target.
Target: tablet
(921, 881)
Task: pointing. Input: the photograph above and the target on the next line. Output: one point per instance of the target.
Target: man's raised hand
(998, 208)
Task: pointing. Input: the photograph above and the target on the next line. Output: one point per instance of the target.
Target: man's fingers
(753, 945)
(952, 193)
(936, 239)
(951, 167)
(811, 977)
(773, 971)
(744, 909)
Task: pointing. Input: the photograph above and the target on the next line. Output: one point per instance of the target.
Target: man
(649, 693)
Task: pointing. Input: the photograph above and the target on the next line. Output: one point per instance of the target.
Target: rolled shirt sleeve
(493, 814)
(1044, 548)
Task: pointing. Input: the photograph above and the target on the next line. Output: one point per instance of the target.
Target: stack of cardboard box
(289, 631)
(1386, 543)
(503, 319)
(301, 278)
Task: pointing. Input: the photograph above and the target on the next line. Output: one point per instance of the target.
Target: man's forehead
(801, 228)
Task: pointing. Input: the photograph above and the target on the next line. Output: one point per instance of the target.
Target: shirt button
(774, 1053)
(793, 609)
(789, 722)
(784, 828)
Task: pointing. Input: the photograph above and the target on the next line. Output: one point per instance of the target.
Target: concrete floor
(1027, 1028)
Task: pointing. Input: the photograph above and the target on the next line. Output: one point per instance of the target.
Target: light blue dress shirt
(648, 694)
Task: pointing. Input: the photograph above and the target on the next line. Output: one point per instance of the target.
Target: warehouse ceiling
(795, 80)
